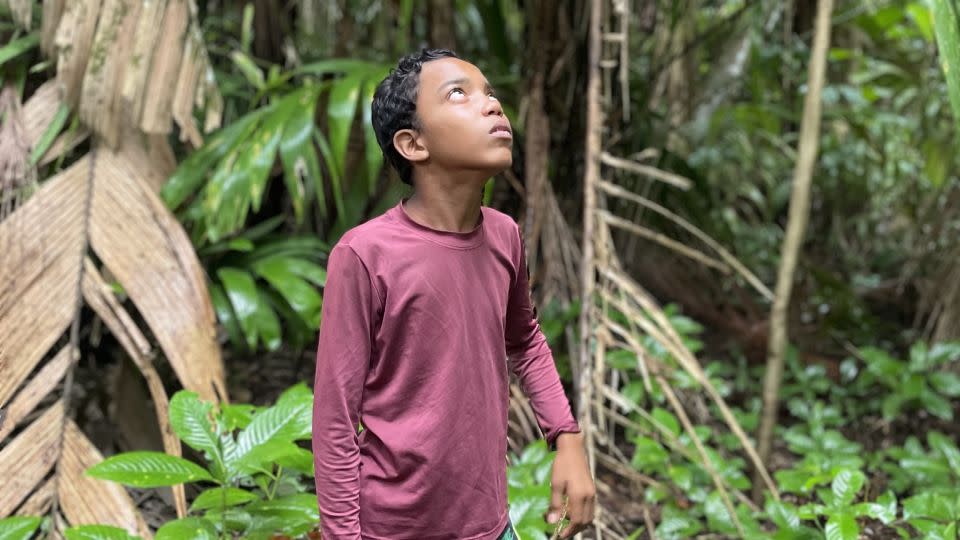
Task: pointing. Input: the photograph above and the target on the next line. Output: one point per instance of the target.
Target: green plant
(18, 527)
(256, 469)
(528, 490)
(918, 382)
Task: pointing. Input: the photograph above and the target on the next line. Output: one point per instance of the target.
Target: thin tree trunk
(440, 16)
(796, 227)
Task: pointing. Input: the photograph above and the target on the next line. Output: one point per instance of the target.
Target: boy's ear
(408, 144)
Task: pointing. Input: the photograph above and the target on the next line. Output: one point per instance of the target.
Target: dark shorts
(509, 533)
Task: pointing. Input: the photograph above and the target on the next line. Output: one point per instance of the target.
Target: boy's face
(462, 124)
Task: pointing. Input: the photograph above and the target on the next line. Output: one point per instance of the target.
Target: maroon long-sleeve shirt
(419, 327)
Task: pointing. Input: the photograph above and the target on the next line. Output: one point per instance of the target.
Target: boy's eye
(457, 90)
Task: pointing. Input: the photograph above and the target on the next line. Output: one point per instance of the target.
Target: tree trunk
(796, 227)
(440, 17)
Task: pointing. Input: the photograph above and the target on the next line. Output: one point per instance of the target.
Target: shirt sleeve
(531, 359)
(350, 304)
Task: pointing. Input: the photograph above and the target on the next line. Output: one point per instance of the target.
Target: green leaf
(285, 422)
(98, 532)
(947, 28)
(221, 497)
(191, 527)
(928, 505)
(935, 404)
(842, 526)
(340, 115)
(224, 310)
(846, 484)
(18, 527)
(301, 166)
(947, 448)
(148, 469)
(667, 419)
(249, 69)
(236, 415)
(190, 419)
(372, 152)
(718, 518)
(18, 46)
(290, 514)
(783, 514)
(190, 173)
(946, 383)
(255, 315)
(921, 17)
(302, 297)
(336, 186)
(50, 133)
(884, 508)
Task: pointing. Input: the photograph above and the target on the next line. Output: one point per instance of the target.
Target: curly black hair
(395, 105)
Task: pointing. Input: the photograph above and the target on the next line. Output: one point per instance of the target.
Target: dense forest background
(741, 221)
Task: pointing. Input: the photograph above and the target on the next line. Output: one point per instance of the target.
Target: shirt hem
(489, 535)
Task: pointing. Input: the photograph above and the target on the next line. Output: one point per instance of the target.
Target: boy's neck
(445, 206)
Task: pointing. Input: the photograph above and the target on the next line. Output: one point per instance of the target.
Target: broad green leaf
(148, 469)
(783, 514)
(935, 404)
(332, 167)
(718, 518)
(98, 532)
(947, 448)
(921, 17)
(236, 415)
(340, 114)
(18, 46)
(190, 174)
(842, 526)
(676, 524)
(302, 247)
(300, 460)
(190, 419)
(290, 513)
(257, 318)
(928, 505)
(846, 484)
(245, 64)
(286, 422)
(242, 292)
(946, 383)
(263, 457)
(946, 23)
(301, 166)
(883, 509)
(49, 134)
(18, 527)
(372, 152)
(191, 527)
(221, 497)
(224, 310)
(302, 297)
(667, 419)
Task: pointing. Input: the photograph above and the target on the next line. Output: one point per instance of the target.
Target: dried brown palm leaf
(100, 104)
(22, 11)
(164, 66)
(88, 501)
(18, 178)
(52, 12)
(74, 38)
(147, 250)
(100, 297)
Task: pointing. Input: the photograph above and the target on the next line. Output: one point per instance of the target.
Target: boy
(425, 308)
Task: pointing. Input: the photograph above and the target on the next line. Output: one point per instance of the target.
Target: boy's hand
(571, 478)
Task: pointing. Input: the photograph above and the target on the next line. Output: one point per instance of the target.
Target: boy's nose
(493, 107)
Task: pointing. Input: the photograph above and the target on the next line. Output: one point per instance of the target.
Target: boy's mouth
(502, 131)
